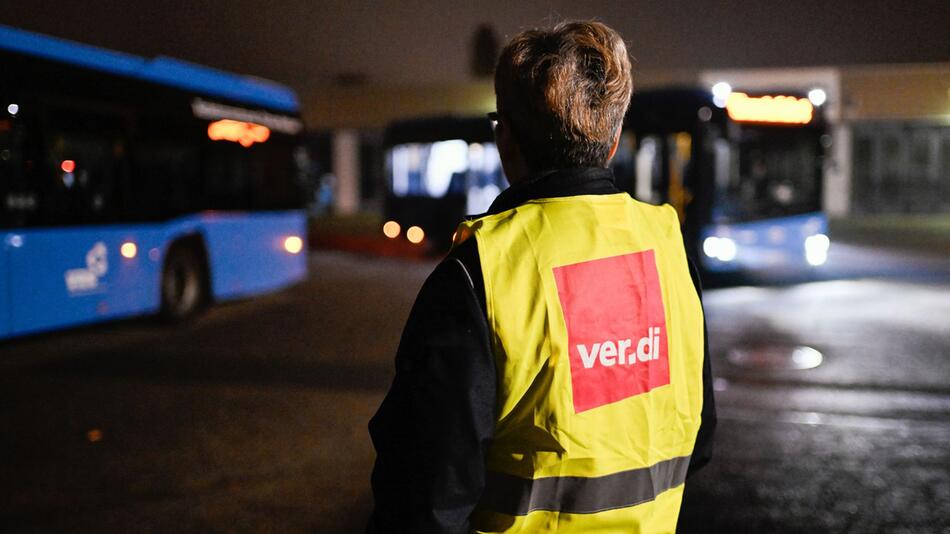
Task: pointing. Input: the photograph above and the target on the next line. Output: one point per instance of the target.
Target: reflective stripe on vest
(513, 495)
(598, 342)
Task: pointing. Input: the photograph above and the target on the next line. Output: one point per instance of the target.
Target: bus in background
(743, 171)
(135, 186)
(438, 170)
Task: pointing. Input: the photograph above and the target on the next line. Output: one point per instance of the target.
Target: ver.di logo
(87, 279)
(616, 328)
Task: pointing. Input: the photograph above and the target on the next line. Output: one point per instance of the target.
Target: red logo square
(616, 328)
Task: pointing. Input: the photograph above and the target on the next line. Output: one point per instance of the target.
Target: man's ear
(613, 149)
(512, 159)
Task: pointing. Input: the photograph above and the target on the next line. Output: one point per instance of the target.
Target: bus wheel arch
(185, 284)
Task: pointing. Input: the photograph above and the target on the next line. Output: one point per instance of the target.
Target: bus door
(663, 171)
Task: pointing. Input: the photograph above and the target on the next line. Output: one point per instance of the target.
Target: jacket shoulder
(466, 255)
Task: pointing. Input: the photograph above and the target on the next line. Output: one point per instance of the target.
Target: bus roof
(160, 70)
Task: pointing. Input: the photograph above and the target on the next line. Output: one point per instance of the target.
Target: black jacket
(434, 427)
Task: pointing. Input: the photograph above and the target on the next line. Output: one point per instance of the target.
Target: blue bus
(744, 172)
(137, 186)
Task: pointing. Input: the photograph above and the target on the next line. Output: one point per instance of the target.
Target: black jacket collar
(557, 183)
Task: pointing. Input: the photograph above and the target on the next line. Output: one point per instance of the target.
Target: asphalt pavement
(834, 409)
(833, 400)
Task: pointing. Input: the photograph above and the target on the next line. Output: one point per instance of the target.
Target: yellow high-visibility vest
(598, 341)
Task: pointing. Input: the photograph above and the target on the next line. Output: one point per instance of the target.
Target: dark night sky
(391, 41)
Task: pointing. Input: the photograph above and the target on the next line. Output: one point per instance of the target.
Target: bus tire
(184, 286)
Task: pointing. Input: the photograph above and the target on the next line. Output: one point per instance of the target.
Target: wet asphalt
(833, 396)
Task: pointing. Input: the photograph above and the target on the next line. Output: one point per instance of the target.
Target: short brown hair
(565, 92)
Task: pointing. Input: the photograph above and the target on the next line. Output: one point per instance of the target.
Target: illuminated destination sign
(245, 133)
(775, 109)
(204, 109)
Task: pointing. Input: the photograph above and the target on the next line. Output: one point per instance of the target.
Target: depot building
(889, 124)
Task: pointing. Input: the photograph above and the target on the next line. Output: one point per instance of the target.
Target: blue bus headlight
(721, 248)
(816, 249)
(293, 244)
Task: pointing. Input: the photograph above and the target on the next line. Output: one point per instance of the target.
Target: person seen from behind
(553, 375)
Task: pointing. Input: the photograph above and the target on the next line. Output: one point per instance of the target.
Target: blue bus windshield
(773, 172)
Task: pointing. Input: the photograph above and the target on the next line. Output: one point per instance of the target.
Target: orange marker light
(128, 250)
(68, 165)
(293, 244)
(415, 235)
(775, 109)
(245, 133)
(391, 229)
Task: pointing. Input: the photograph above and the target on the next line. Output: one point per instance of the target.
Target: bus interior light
(391, 229)
(816, 249)
(293, 244)
(415, 235)
(129, 250)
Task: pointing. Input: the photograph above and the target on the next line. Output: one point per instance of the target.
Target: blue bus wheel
(184, 290)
